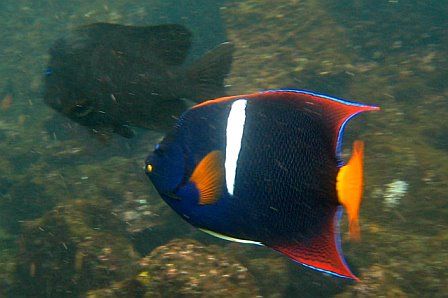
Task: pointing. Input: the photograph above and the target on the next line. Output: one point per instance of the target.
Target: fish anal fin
(349, 187)
(208, 177)
(320, 253)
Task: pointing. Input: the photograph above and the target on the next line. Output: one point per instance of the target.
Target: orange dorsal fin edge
(208, 177)
(349, 187)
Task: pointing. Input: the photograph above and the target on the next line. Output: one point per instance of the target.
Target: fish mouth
(169, 193)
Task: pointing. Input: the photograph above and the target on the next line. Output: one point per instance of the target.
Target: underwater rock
(201, 16)
(22, 197)
(130, 288)
(72, 249)
(139, 211)
(271, 275)
(406, 265)
(270, 270)
(280, 48)
(7, 264)
(394, 192)
(437, 136)
(187, 268)
(149, 222)
(100, 260)
(374, 283)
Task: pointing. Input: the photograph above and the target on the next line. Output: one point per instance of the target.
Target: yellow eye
(148, 168)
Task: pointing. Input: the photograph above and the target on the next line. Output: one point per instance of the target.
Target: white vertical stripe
(234, 134)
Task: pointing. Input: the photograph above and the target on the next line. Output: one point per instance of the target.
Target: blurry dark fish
(266, 168)
(109, 77)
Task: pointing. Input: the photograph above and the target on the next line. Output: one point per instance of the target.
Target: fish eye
(149, 168)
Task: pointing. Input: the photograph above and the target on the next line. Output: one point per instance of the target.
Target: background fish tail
(206, 76)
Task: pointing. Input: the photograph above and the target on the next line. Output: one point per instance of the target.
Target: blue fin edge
(337, 235)
(303, 91)
(341, 162)
(337, 238)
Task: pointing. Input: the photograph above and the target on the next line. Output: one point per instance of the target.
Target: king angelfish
(266, 168)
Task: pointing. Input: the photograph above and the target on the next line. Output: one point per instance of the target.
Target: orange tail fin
(350, 186)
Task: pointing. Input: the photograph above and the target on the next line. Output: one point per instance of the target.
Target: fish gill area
(78, 218)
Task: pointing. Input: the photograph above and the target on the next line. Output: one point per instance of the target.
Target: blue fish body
(260, 168)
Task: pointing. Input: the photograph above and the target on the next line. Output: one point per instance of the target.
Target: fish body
(109, 77)
(265, 168)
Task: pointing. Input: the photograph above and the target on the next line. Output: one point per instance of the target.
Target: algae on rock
(72, 249)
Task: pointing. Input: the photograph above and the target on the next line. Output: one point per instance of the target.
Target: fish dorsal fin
(170, 42)
(349, 186)
(208, 177)
(334, 112)
(322, 252)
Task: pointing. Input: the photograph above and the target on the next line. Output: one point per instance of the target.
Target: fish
(112, 77)
(266, 169)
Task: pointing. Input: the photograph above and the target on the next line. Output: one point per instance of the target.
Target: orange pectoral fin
(208, 177)
(350, 186)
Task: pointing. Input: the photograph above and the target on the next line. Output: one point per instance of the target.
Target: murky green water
(78, 217)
